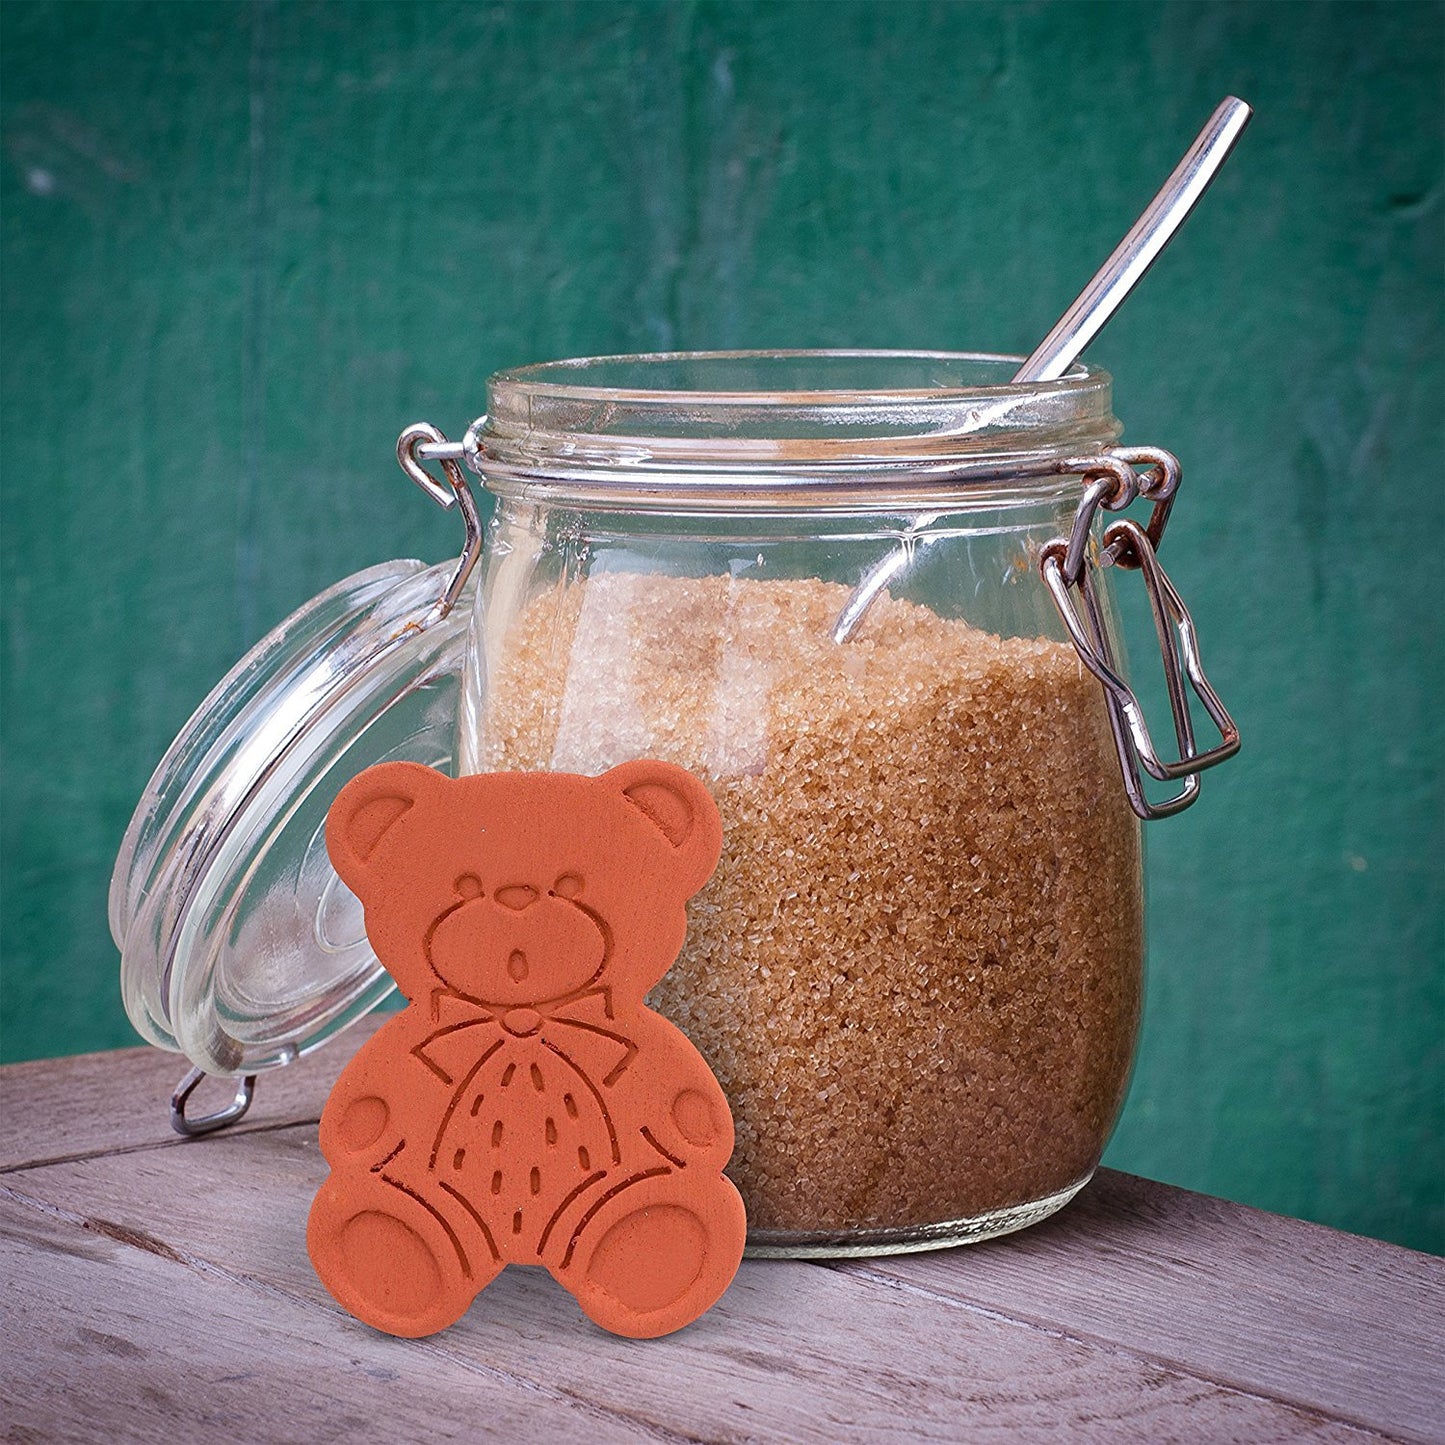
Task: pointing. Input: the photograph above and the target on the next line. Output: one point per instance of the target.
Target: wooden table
(159, 1289)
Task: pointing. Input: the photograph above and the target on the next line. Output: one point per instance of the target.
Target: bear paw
(389, 1260)
(658, 1254)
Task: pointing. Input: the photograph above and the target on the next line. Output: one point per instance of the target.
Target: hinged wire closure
(1112, 481)
(408, 447)
(208, 1123)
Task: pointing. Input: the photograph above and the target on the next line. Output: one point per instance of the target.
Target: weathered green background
(245, 244)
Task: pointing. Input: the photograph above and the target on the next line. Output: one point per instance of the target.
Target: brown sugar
(916, 971)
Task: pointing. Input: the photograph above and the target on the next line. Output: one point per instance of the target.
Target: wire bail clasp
(1067, 568)
(228, 1114)
(424, 442)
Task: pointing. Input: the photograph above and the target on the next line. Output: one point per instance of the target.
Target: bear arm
(677, 1095)
(377, 1102)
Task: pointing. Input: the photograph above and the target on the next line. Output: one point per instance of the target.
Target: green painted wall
(243, 245)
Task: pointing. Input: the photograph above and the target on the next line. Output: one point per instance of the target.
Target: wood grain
(1288, 1309)
(111, 1336)
(1141, 1312)
(100, 1103)
(794, 1350)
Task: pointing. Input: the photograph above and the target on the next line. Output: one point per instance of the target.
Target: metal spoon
(1096, 303)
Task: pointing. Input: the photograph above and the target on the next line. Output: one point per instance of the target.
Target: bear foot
(389, 1260)
(658, 1254)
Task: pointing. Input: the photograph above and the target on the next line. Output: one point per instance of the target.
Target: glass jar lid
(240, 947)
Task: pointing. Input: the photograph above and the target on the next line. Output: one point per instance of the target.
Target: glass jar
(917, 970)
(865, 597)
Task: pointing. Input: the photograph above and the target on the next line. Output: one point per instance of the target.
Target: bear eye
(569, 885)
(469, 885)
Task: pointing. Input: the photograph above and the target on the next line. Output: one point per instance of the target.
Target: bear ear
(682, 810)
(366, 810)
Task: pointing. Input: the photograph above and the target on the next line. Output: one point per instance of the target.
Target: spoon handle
(1134, 255)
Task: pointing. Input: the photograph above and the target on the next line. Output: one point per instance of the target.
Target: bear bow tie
(466, 1028)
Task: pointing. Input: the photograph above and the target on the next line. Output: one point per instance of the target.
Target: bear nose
(516, 896)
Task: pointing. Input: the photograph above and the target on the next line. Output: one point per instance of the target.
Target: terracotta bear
(526, 1108)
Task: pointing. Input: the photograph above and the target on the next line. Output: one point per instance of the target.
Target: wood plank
(794, 1351)
(105, 1341)
(56, 1109)
(1288, 1309)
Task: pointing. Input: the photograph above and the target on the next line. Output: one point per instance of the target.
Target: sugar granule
(916, 971)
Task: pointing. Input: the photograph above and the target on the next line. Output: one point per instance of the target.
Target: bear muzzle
(517, 947)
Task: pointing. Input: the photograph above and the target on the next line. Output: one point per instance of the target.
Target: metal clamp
(1066, 568)
(209, 1123)
(422, 440)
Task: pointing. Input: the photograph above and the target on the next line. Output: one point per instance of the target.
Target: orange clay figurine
(526, 1107)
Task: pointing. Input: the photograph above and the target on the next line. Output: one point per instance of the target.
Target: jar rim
(776, 428)
(555, 378)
